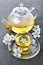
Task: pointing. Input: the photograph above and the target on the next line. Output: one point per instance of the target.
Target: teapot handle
(34, 9)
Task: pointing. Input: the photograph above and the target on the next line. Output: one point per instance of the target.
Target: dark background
(6, 7)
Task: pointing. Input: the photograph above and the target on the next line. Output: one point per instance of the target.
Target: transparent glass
(21, 21)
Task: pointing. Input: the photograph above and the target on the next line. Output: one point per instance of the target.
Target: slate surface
(6, 7)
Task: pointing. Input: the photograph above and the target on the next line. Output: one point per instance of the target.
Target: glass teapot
(21, 19)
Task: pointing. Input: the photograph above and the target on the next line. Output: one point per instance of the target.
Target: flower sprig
(15, 51)
(36, 31)
(8, 38)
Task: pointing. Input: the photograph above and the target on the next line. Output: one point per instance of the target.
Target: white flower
(33, 49)
(17, 51)
(23, 40)
(5, 42)
(19, 55)
(33, 42)
(6, 36)
(12, 37)
(37, 28)
(36, 32)
(35, 35)
(6, 39)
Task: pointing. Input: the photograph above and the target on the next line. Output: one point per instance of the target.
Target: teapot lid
(20, 11)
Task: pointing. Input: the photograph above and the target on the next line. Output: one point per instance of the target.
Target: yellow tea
(23, 41)
(23, 26)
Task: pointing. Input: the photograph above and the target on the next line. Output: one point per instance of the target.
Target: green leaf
(11, 52)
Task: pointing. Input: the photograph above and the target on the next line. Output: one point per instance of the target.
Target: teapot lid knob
(21, 4)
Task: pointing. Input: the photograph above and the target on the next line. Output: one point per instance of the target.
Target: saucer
(30, 53)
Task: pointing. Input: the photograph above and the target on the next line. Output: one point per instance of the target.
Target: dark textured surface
(6, 7)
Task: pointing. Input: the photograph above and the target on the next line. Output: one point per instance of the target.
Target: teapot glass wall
(21, 19)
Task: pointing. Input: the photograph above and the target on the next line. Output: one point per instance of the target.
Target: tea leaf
(11, 52)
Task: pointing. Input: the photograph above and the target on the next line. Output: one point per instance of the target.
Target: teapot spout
(6, 24)
(4, 21)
